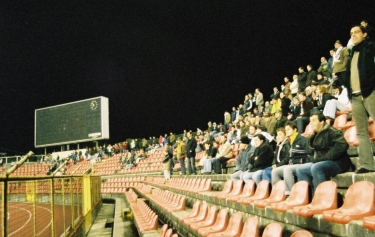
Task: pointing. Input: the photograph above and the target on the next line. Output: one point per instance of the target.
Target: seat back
(237, 187)
(350, 136)
(235, 225)
(262, 191)
(222, 219)
(228, 186)
(195, 209)
(273, 230)
(325, 195)
(168, 233)
(308, 131)
(302, 233)
(278, 191)
(211, 215)
(340, 121)
(207, 185)
(299, 195)
(249, 189)
(201, 184)
(203, 210)
(371, 131)
(250, 228)
(360, 195)
(163, 230)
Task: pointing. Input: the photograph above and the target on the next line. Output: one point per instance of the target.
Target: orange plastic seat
(174, 235)
(308, 131)
(350, 136)
(325, 198)
(273, 230)
(358, 203)
(341, 121)
(169, 233)
(193, 213)
(277, 195)
(299, 195)
(220, 224)
(247, 191)
(371, 132)
(163, 230)
(262, 192)
(301, 233)
(250, 228)
(236, 190)
(208, 221)
(199, 217)
(234, 227)
(369, 222)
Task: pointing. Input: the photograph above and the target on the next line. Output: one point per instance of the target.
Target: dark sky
(165, 65)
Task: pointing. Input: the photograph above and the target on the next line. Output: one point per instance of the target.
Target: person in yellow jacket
(181, 154)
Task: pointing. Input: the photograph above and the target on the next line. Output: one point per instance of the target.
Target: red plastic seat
(202, 214)
(299, 195)
(350, 136)
(369, 222)
(236, 190)
(277, 195)
(358, 203)
(308, 131)
(174, 235)
(325, 198)
(169, 233)
(220, 224)
(341, 122)
(234, 227)
(302, 233)
(163, 230)
(273, 230)
(247, 191)
(193, 213)
(371, 132)
(250, 228)
(262, 192)
(208, 221)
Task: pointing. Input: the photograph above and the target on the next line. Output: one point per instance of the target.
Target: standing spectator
(181, 153)
(259, 102)
(323, 68)
(227, 120)
(287, 86)
(295, 109)
(285, 103)
(330, 62)
(167, 161)
(340, 59)
(330, 153)
(302, 77)
(311, 75)
(172, 138)
(223, 155)
(276, 92)
(247, 104)
(123, 146)
(234, 114)
(294, 86)
(361, 81)
(191, 145)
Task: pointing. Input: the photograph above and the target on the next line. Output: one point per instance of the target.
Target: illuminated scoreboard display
(79, 121)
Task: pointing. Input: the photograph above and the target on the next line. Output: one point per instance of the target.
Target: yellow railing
(48, 206)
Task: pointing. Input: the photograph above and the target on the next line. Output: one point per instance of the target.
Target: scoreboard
(79, 121)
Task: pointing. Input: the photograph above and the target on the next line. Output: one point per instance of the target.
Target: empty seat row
(168, 201)
(145, 218)
(131, 196)
(191, 185)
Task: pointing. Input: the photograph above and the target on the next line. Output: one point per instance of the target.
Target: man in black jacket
(191, 144)
(361, 81)
(330, 153)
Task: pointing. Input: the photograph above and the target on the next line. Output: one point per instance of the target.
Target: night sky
(164, 65)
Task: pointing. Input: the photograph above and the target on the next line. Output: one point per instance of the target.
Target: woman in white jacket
(340, 103)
